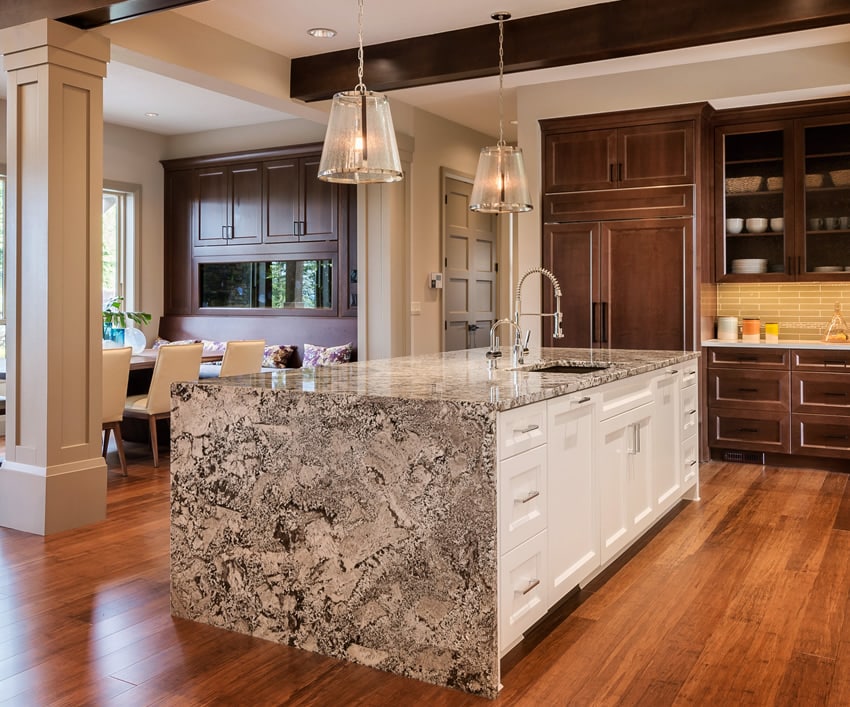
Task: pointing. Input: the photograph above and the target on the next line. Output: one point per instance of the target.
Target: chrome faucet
(557, 332)
(494, 353)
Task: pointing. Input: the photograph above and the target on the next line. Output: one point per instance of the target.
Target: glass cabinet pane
(754, 203)
(827, 200)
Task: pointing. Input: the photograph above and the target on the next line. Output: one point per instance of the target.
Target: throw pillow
(277, 356)
(326, 355)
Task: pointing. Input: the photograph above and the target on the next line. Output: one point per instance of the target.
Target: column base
(49, 500)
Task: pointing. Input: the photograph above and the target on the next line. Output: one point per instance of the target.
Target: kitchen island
(354, 510)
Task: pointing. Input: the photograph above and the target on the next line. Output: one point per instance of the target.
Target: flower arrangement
(115, 317)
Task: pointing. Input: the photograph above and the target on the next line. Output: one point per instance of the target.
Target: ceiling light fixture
(500, 185)
(322, 32)
(360, 146)
(151, 115)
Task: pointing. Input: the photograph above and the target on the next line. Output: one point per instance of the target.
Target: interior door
(571, 252)
(470, 287)
(648, 283)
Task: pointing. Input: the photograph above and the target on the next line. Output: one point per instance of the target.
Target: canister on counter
(727, 328)
(771, 333)
(751, 329)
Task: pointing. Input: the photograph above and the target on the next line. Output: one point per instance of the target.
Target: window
(119, 228)
(278, 284)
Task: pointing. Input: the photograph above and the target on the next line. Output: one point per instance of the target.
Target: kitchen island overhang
(352, 510)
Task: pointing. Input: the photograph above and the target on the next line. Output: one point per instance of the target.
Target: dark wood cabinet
(299, 206)
(229, 200)
(613, 293)
(618, 157)
(241, 228)
(789, 166)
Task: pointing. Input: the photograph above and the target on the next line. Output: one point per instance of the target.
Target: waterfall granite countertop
(352, 510)
(463, 376)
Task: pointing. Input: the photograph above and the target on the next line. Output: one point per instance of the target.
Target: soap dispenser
(837, 332)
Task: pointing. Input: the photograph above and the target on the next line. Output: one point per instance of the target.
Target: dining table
(146, 359)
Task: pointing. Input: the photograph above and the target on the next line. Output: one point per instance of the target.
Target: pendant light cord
(360, 87)
(501, 142)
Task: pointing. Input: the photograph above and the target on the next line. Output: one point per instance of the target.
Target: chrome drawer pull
(532, 583)
(843, 437)
(748, 390)
(693, 463)
(582, 400)
(530, 496)
(528, 429)
(836, 395)
(692, 412)
(673, 371)
(748, 429)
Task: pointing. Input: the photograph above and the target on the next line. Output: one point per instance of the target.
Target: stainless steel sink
(582, 367)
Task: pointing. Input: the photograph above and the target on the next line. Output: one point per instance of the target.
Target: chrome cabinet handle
(530, 496)
(528, 429)
(582, 400)
(637, 438)
(532, 583)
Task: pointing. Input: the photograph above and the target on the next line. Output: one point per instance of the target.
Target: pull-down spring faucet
(557, 317)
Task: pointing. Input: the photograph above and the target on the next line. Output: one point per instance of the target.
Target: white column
(53, 477)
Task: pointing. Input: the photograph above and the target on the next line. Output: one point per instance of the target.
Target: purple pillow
(277, 356)
(326, 355)
(159, 341)
(214, 347)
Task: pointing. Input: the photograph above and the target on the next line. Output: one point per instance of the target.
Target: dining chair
(176, 362)
(241, 357)
(116, 372)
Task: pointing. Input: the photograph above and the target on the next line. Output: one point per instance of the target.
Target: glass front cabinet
(782, 194)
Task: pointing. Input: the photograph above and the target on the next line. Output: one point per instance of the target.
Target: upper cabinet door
(212, 187)
(229, 205)
(246, 214)
(282, 214)
(651, 155)
(581, 160)
(320, 204)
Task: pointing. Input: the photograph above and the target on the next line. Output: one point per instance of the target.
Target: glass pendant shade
(360, 145)
(500, 185)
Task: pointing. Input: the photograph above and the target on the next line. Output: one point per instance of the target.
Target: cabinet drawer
(820, 435)
(690, 373)
(821, 393)
(521, 429)
(758, 430)
(690, 461)
(608, 204)
(760, 390)
(522, 497)
(734, 357)
(690, 411)
(522, 589)
(622, 396)
(820, 360)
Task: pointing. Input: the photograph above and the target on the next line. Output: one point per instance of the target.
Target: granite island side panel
(351, 510)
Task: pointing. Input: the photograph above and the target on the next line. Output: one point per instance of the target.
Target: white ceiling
(281, 26)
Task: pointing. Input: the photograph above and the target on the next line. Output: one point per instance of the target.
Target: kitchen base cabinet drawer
(759, 390)
(690, 461)
(522, 589)
(820, 435)
(521, 429)
(818, 360)
(522, 497)
(821, 393)
(622, 396)
(736, 357)
(690, 411)
(758, 430)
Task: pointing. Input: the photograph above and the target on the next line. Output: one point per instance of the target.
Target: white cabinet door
(522, 590)
(522, 497)
(573, 512)
(624, 459)
(667, 465)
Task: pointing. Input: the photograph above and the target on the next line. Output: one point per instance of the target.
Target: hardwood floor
(740, 599)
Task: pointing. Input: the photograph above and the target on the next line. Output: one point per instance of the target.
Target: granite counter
(352, 510)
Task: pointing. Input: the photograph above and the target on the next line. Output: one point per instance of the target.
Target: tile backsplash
(802, 309)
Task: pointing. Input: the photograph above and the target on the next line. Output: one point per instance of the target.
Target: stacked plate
(748, 266)
(829, 268)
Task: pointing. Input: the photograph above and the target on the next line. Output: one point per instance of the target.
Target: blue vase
(117, 336)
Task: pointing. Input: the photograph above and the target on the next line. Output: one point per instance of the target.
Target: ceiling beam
(84, 14)
(584, 34)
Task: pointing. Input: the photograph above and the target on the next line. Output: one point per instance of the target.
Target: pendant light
(500, 185)
(360, 146)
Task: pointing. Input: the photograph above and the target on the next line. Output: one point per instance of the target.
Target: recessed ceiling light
(322, 32)
(151, 115)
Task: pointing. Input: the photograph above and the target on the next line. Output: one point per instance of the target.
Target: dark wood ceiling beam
(590, 33)
(80, 13)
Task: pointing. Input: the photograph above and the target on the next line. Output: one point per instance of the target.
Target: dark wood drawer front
(756, 389)
(756, 430)
(821, 393)
(605, 204)
(749, 357)
(821, 360)
(820, 435)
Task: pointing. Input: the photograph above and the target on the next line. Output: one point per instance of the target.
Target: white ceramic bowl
(756, 225)
(734, 225)
(777, 224)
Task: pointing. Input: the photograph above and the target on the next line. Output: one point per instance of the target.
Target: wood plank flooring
(740, 599)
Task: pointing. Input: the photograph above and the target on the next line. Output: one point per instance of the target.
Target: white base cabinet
(581, 477)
